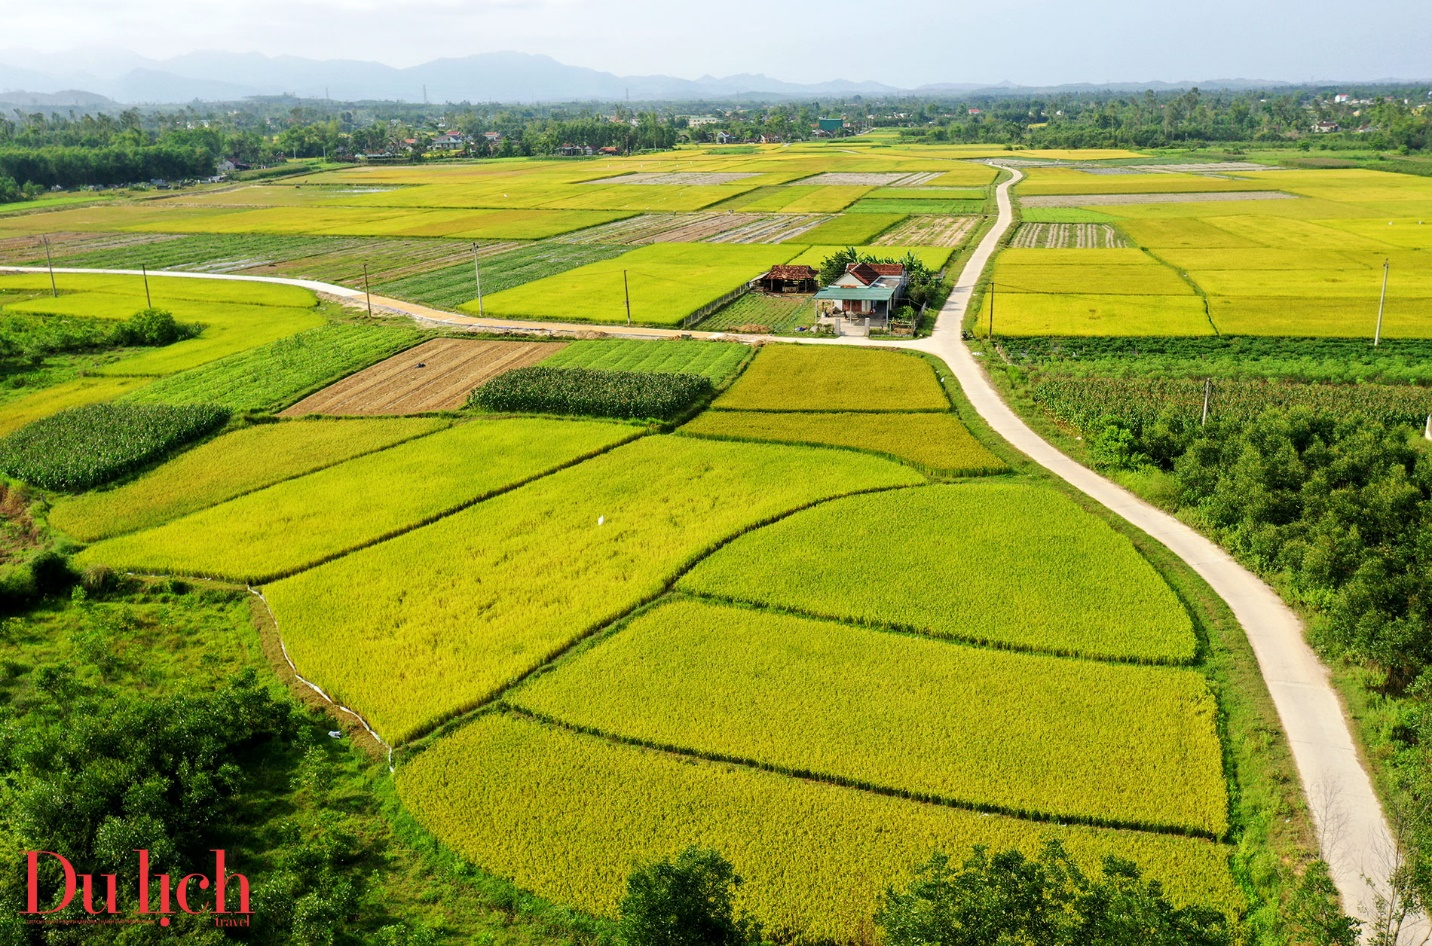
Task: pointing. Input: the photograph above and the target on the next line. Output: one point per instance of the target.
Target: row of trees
(989, 899)
(1152, 120)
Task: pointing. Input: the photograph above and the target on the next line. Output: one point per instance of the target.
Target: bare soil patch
(435, 376)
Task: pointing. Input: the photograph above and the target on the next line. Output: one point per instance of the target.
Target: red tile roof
(793, 272)
(867, 273)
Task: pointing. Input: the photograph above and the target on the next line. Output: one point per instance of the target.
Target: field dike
(425, 521)
(458, 717)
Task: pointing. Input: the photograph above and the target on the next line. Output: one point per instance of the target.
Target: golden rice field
(300, 522)
(1306, 267)
(666, 283)
(804, 378)
(1074, 740)
(557, 813)
(439, 619)
(229, 466)
(1086, 592)
(936, 443)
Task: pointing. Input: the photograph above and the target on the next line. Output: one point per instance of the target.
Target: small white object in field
(335, 734)
(601, 519)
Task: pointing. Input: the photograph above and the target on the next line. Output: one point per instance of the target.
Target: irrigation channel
(1353, 831)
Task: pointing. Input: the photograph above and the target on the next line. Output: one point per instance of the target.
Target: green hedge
(593, 393)
(80, 448)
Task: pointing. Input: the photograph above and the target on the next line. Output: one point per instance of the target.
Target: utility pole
(366, 291)
(477, 271)
(144, 271)
(627, 289)
(991, 310)
(50, 263)
(1377, 336)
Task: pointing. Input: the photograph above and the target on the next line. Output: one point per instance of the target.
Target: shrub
(685, 902)
(625, 394)
(155, 327)
(80, 448)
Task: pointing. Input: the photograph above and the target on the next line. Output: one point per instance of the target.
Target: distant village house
(864, 291)
(783, 279)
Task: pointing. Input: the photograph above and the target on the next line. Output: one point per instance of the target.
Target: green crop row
(1043, 737)
(937, 443)
(715, 360)
(1050, 577)
(277, 374)
(357, 502)
(566, 816)
(228, 466)
(1091, 402)
(812, 378)
(593, 392)
(452, 286)
(414, 630)
(852, 229)
(1399, 361)
(83, 447)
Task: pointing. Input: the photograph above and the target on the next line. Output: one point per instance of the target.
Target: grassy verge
(1272, 832)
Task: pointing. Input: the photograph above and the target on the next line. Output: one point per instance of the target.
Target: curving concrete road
(1353, 833)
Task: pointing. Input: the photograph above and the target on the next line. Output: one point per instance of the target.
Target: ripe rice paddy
(555, 811)
(1071, 739)
(1305, 267)
(536, 568)
(332, 511)
(228, 466)
(1087, 592)
(935, 443)
(667, 282)
(801, 378)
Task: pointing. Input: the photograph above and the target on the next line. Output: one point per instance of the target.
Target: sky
(906, 44)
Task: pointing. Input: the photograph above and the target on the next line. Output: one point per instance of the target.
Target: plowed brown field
(435, 376)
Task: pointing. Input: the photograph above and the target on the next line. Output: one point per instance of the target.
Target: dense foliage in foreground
(83, 447)
(1047, 899)
(593, 392)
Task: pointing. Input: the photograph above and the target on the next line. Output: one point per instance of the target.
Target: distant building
(789, 279)
(570, 150)
(1324, 127)
(492, 137)
(831, 126)
(696, 121)
(1342, 98)
(974, 111)
(449, 141)
(864, 291)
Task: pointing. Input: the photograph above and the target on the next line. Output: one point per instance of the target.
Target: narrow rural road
(1353, 832)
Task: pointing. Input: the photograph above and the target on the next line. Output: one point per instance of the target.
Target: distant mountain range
(51, 80)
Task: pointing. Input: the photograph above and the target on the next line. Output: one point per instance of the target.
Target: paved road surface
(1353, 831)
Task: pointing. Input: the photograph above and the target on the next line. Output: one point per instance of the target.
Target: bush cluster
(83, 447)
(622, 394)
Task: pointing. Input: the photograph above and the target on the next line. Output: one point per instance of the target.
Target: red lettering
(32, 877)
(111, 897)
(221, 882)
(182, 893)
(164, 894)
(143, 880)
